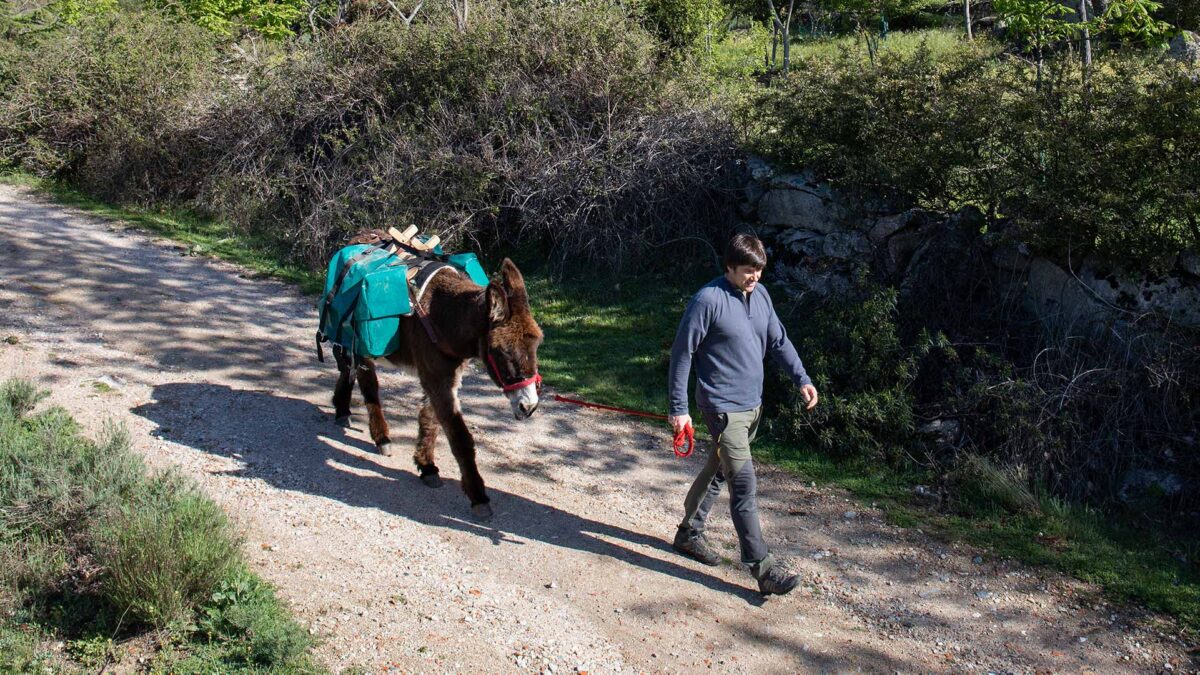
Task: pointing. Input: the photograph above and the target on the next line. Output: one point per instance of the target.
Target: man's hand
(678, 423)
(809, 394)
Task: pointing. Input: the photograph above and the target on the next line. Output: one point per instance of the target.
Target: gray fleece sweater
(728, 334)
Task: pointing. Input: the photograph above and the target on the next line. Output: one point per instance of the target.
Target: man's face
(743, 277)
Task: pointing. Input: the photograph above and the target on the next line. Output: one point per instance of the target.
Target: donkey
(461, 321)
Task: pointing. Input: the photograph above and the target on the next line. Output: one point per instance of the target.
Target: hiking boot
(695, 545)
(777, 580)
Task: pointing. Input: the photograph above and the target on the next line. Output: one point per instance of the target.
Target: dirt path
(213, 372)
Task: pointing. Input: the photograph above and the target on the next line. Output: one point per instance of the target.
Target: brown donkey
(493, 324)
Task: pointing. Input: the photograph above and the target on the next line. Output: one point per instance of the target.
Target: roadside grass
(102, 560)
(608, 343)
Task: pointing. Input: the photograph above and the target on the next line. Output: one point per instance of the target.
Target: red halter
(535, 379)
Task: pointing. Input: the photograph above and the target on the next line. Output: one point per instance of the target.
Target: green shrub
(685, 24)
(553, 126)
(243, 614)
(1109, 166)
(164, 551)
(18, 397)
(557, 126)
(108, 103)
(92, 548)
(978, 488)
(852, 348)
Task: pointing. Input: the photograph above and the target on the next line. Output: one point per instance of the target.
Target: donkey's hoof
(385, 448)
(482, 511)
(343, 421)
(432, 480)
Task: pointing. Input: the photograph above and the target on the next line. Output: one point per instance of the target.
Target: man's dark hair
(744, 249)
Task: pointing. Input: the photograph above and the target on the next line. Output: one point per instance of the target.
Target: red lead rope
(686, 438)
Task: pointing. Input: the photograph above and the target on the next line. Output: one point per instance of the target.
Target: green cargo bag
(366, 294)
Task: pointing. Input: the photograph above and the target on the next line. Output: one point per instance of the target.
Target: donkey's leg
(443, 396)
(427, 431)
(368, 384)
(344, 388)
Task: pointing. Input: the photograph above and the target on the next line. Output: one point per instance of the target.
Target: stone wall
(819, 239)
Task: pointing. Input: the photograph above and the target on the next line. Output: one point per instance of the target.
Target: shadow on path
(222, 421)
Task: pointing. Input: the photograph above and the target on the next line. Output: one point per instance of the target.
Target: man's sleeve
(781, 350)
(692, 328)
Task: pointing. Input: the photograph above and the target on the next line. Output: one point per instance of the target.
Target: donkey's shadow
(294, 445)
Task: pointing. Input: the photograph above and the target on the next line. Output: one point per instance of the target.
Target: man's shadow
(295, 445)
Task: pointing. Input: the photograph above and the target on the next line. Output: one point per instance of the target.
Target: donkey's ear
(497, 304)
(510, 279)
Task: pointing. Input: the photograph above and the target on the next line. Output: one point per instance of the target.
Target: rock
(844, 245)
(889, 225)
(818, 279)
(802, 242)
(945, 431)
(1141, 483)
(1189, 263)
(759, 169)
(1128, 294)
(900, 249)
(111, 381)
(1185, 47)
(752, 193)
(1059, 299)
(1012, 257)
(983, 595)
(850, 515)
(978, 560)
(803, 206)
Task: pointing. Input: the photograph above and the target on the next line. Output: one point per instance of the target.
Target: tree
(684, 24)
(1038, 23)
(782, 30)
(275, 19)
(1132, 21)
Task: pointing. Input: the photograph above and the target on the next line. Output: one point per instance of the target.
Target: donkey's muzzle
(527, 409)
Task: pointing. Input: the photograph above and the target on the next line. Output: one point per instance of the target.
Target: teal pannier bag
(468, 263)
(366, 293)
(465, 262)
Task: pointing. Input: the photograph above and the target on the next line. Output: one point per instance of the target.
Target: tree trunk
(787, 38)
(1087, 40)
(967, 13)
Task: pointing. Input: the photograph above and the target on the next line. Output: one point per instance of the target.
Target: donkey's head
(510, 347)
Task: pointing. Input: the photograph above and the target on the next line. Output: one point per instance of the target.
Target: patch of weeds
(18, 397)
(93, 549)
(252, 626)
(12, 340)
(102, 387)
(23, 649)
(606, 342)
(92, 652)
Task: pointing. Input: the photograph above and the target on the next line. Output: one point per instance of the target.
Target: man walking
(729, 327)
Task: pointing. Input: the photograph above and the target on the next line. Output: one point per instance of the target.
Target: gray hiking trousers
(730, 464)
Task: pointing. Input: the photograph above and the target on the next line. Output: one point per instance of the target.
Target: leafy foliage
(271, 18)
(92, 547)
(853, 350)
(107, 103)
(1108, 166)
(685, 24)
